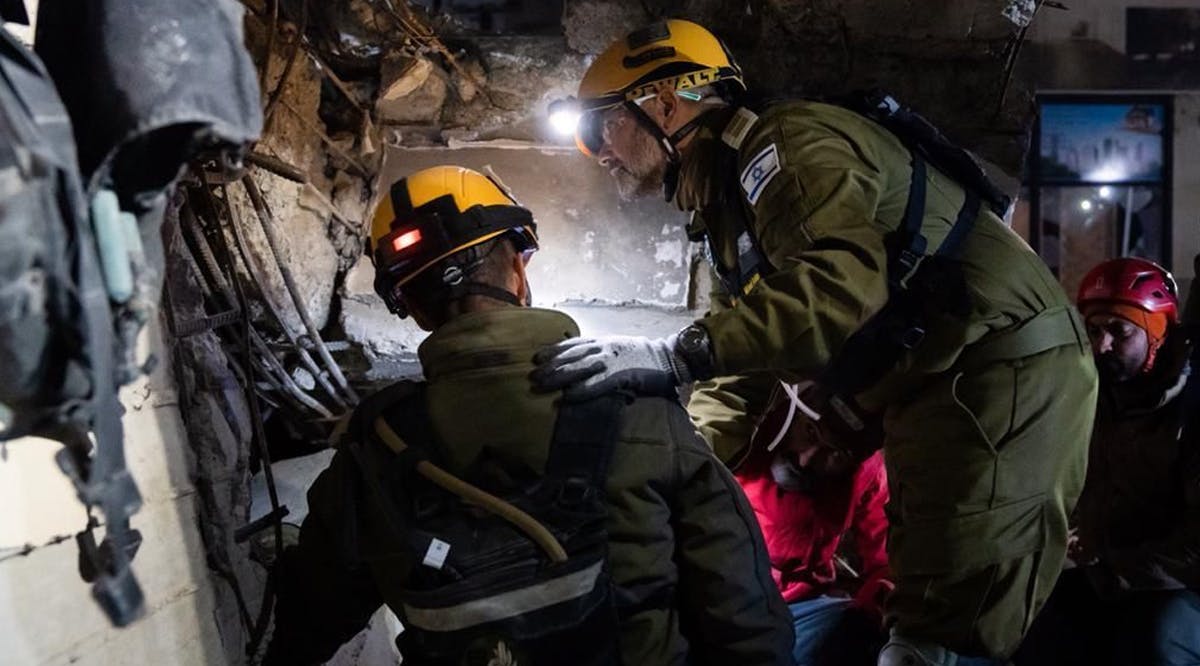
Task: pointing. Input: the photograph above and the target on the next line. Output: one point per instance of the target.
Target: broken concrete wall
(319, 222)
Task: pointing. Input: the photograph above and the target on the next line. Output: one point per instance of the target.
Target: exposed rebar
(254, 271)
(354, 164)
(277, 167)
(277, 93)
(271, 366)
(260, 437)
(265, 221)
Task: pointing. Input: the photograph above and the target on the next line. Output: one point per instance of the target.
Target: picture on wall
(1101, 142)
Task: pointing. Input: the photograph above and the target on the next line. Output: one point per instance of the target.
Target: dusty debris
(1020, 12)
(590, 26)
(413, 91)
(401, 75)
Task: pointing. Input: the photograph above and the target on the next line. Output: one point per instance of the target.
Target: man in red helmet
(1132, 598)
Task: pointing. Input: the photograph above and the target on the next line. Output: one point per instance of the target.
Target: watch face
(692, 339)
(692, 344)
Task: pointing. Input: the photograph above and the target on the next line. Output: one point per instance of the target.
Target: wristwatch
(694, 346)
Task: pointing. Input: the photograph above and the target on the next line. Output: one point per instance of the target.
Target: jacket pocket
(971, 541)
(987, 400)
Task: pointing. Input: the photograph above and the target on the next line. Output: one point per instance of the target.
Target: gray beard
(648, 159)
(631, 187)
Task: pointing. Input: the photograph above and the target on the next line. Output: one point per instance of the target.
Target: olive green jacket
(841, 185)
(690, 570)
(986, 422)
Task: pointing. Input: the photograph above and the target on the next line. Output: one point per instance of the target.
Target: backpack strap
(906, 245)
(402, 406)
(584, 459)
(580, 452)
(899, 326)
(401, 403)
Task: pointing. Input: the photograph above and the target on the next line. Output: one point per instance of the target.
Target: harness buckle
(573, 491)
(908, 261)
(912, 337)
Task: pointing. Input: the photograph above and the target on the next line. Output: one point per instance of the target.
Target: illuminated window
(1099, 184)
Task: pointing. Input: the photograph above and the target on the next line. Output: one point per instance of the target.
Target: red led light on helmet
(406, 240)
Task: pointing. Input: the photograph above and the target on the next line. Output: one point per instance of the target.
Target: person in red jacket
(813, 481)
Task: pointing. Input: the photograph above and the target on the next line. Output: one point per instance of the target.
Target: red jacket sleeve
(870, 535)
(869, 522)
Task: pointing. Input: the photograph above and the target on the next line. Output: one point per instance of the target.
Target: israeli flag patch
(761, 169)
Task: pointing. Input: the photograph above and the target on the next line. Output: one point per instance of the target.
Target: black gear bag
(482, 592)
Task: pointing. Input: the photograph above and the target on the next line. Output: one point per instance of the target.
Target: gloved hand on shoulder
(585, 368)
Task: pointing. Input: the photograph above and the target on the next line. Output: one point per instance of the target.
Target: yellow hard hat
(674, 54)
(434, 215)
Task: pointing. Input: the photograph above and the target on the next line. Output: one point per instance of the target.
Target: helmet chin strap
(528, 294)
(669, 143)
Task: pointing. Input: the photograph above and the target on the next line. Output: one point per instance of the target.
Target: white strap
(793, 392)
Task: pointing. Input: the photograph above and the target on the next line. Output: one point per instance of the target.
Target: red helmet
(1143, 284)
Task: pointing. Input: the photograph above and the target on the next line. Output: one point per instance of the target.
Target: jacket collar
(1140, 397)
(480, 399)
(702, 178)
(492, 339)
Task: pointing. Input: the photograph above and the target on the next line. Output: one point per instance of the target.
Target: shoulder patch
(739, 126)
(761, 169)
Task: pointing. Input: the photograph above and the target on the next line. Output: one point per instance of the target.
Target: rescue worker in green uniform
(688, 566)
(988, 409)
